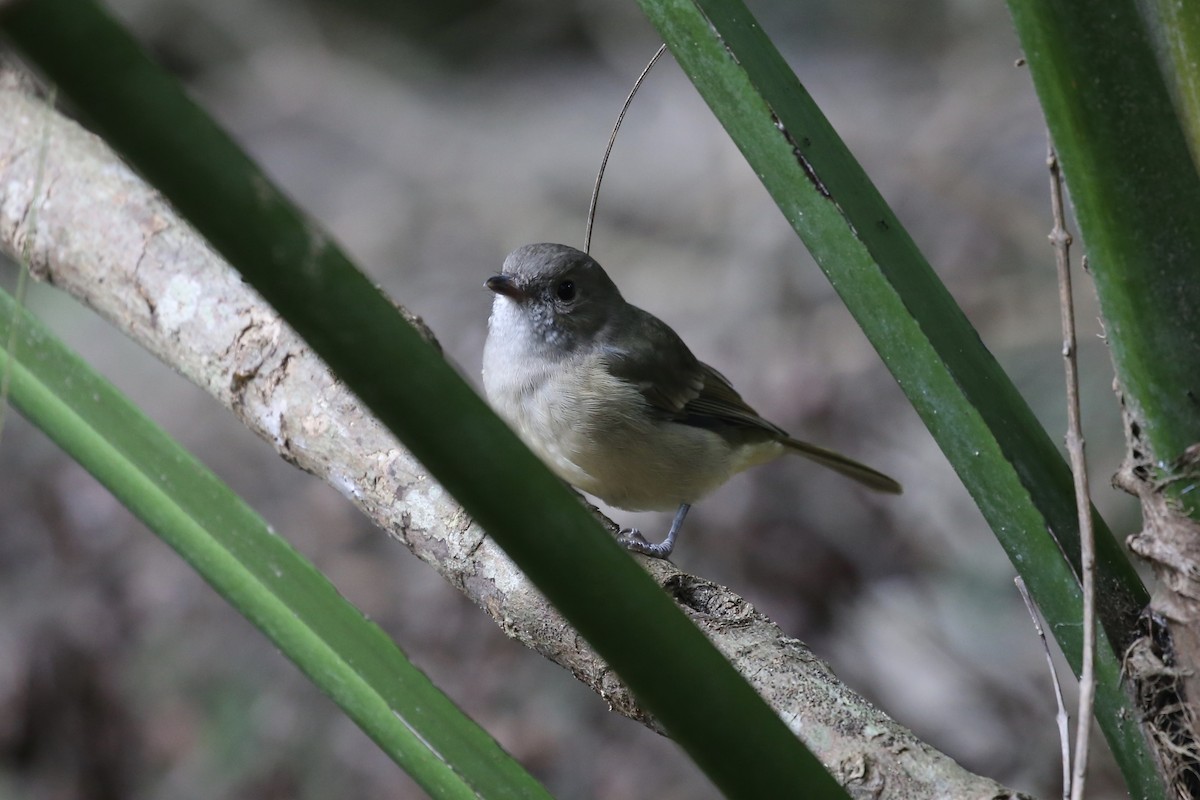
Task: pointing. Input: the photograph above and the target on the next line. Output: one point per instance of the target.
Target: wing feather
(686, 390)
(676, 383)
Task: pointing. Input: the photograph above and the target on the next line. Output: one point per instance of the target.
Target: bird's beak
(502, 284)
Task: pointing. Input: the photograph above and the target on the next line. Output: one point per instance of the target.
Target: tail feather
(837, 462)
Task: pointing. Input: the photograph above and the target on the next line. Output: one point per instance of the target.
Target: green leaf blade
(675, 672)
(1135, 190)
(1008, 463)
(350, 659)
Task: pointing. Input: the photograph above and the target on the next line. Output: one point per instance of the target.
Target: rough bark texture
(109, 240)
(1159, 662)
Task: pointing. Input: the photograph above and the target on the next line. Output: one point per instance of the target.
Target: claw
(632, 539)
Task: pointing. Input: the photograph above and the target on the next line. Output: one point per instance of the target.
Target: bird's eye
(565, 291)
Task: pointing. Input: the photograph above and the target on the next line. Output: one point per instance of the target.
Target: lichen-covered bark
(105, 237)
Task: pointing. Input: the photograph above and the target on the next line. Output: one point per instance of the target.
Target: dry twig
(1060, 239)
(612, 139)
(1060, 716)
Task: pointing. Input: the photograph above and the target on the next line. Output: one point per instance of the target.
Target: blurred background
(431, 139)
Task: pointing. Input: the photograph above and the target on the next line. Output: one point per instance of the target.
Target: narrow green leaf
(665, 660)
(349, 658)
(1174, 28)
(1136, 193)
(1004, 457)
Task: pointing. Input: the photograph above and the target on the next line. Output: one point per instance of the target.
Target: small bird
(613, 400)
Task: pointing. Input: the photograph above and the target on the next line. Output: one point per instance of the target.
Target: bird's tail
(837, 462)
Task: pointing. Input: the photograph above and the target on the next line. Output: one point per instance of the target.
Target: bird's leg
(632, 539)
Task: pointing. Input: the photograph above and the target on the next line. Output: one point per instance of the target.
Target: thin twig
(1061, 241)
(1060, 717)
(591, 217)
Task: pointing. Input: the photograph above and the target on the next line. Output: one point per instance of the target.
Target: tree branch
(112, 242)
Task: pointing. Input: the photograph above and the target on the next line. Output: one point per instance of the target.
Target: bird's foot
(632, 539)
